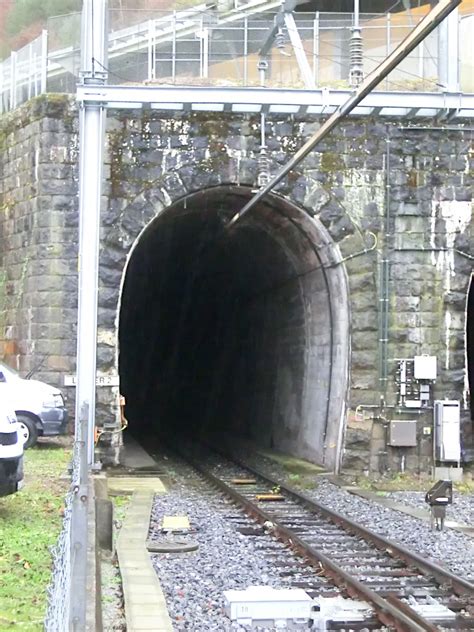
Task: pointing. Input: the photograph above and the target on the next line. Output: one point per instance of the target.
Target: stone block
(364, 359)
(356, 460)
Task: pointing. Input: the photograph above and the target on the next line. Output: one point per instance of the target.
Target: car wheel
(28, 431)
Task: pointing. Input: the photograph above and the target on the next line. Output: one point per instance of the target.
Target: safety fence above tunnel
(200, 46)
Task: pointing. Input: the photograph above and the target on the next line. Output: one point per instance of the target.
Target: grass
(30, 522)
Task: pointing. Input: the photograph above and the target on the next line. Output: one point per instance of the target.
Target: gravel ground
(448, 548)
(193, 583)
(462, 509)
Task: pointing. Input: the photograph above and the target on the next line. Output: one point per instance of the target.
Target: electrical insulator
(280, 40)
(356, 72)
(263, 168)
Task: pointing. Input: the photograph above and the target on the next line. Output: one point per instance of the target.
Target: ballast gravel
(193, 583)
(450, 549)
(461, 511)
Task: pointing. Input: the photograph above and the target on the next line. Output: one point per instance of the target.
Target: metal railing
(67, 590)
(200, 47)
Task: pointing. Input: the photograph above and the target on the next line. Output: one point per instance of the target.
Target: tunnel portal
(243, 332)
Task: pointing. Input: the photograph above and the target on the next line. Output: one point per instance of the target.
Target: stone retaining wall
(418, 220)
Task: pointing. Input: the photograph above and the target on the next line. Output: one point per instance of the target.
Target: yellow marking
(243, 481)
(269, 497)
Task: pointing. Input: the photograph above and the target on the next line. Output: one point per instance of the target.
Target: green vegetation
(30, 522)
(24, 13)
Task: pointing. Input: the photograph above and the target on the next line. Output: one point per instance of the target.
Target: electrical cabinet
(402, 434)
(424, 367)
(447, 426)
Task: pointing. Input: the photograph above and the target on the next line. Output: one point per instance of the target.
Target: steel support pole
(448, 52)
(316, 49)
(91, 139)
(428, 24)
(300, 53)
(79, 539)
(13, 91)
(44, 62)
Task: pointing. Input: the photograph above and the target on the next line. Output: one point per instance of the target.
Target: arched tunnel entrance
(242, 332)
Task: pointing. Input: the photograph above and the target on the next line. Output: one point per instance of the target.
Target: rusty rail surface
(390, 610)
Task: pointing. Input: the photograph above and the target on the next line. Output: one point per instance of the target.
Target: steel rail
(402, 620)
(459, 585)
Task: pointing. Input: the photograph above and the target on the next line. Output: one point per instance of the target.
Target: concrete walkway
(145, 606)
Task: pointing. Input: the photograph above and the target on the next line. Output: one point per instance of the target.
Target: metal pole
(13, 80)
(30, 70)
(44, 62)
(1, 87)
(205, 52)
(91, 138)
(388, 43)
(316, 49)
(78, 589)
(300, 53)
(448, 53)
(246, 50)
(151, 49)
(429, 22)
(173, 48)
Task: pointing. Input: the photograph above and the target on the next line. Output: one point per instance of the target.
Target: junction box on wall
(414, 378)
(447, 431)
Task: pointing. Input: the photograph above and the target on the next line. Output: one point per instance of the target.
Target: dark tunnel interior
(230, 331)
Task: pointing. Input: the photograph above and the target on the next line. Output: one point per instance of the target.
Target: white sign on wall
(101, 380)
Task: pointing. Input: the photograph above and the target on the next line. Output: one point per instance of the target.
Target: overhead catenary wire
(429, 22)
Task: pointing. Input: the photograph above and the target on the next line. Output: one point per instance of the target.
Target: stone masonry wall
(38, 238)
(418, 219)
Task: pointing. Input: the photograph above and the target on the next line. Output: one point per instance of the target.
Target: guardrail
(201, 47)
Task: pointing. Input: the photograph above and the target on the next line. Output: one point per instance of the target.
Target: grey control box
(402, 434)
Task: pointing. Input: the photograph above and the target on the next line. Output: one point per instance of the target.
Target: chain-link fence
(66, 592)
(199, 46)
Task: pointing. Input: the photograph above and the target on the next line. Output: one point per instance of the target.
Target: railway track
(406, 591)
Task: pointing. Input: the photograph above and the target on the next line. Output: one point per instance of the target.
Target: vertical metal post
(201, 63)
(316, 49)
(173, 48)
(13, 80)
(151, 50)
(91, 138)
(78, 589)
(421, 60)
(298, 49)
(448, 52)
(44, 61)
(205, 52)
(246, 49)
(30, 69)
(1, 87)
(388, 44)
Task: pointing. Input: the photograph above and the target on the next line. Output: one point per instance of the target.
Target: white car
(39, 407)
(11, 450)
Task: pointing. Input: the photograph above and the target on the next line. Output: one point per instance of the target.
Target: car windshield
(8, 371)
